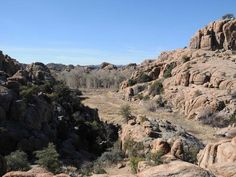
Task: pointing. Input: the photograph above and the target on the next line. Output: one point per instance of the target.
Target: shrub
(232, 118)
(156, 88)
(167, 72)
(98, 170)
(86, 169)
(228, 16)
(155, 157)
(29, 90)
(140, 96)
(113, 156)
(215, 119)
(17, 161)
(48, 158)
(125, 112)
(161, 102)
(197, 93)
(143, 78)
(146, 97)
(134, 163)
(191, 155)
(185, 59)
(131, 82)
(133, 148)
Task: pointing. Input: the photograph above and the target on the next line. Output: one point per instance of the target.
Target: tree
(228, 16)
(17, 161)
(48, 158)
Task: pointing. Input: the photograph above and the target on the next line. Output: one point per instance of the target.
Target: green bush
(28, 91)
(125, 112)
(17, 161)
(131, 82)
(156, 88)
(134, 163)
(48, 158)
(143, 78)
(167, 72)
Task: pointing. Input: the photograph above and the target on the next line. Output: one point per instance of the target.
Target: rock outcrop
(34, 172)
(220, 34)
(220, 157)
(175, 169)
(201, 84)
(172, 169)
(35, 109)
(157, 136)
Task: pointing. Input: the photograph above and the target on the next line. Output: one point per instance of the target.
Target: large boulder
(34, 172)
(219, 157)
(175, 169)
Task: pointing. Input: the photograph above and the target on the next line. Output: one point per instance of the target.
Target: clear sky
(93, 31)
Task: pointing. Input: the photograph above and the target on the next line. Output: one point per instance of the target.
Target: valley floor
(108, 103)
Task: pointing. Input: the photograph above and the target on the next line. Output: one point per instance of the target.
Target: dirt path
(108, 104)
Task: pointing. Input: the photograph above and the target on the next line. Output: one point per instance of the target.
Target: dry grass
(108, 104)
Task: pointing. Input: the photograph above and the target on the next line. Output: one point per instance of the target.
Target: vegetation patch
(48, 158)
(156, 88)
(125, 112)
(17, 161)
(167, 72)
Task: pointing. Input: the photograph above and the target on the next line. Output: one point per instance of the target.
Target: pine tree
(48, 158)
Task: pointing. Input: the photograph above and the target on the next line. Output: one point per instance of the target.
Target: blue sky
(93, 31)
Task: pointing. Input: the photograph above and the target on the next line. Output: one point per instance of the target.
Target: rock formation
(35, 109)
(220, 157)
(155, 136)
(199, 83)
(34, 172)
(220, 34)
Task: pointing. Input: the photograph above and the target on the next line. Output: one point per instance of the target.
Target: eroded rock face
(217, 35)
(219, 157)
(201, 84)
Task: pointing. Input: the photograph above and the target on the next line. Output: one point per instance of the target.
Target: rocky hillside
(35, 109)
(199, 81)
